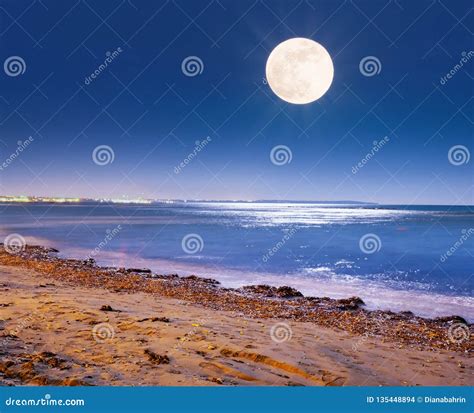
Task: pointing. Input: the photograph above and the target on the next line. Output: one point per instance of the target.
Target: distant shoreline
(88, 201)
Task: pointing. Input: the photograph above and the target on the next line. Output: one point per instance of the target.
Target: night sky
(150, 113)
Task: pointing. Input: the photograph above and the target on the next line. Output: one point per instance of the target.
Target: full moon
(299, 70)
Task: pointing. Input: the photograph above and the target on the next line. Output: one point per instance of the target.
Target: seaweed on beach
(264, 302)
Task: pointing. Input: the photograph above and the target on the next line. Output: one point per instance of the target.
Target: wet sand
(65, 322)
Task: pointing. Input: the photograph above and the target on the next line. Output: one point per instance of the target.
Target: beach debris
(451, 319)
(107, 307)
(90, 262)
(352, 303)
(30, 368)
(256, 302)
(201, 280)
(154, 319)
(139, 270)
(161, 319)
(268, 291)
(217, 380)
(157, 358)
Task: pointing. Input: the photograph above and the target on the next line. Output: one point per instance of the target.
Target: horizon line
(71, 199)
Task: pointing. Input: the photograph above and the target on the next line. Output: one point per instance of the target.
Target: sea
(395, 257)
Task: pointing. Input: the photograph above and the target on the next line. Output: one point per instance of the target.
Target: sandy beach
(67, 322)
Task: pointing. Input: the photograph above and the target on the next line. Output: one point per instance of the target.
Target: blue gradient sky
(151, 114)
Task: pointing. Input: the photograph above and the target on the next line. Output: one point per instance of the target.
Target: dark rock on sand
(157, 358)
(157, 276)
(162, 319)
(51, 250)
(107, 307)
(409, 314)
(352, 303)
(288, 292)
(452, 319)
(268, 291)
(139, 270)
(202, 280)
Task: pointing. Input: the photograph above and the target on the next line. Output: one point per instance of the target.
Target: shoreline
(255, 301)
(376, 296)
(70, 322)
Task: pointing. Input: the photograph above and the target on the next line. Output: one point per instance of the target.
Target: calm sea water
(395, 257)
